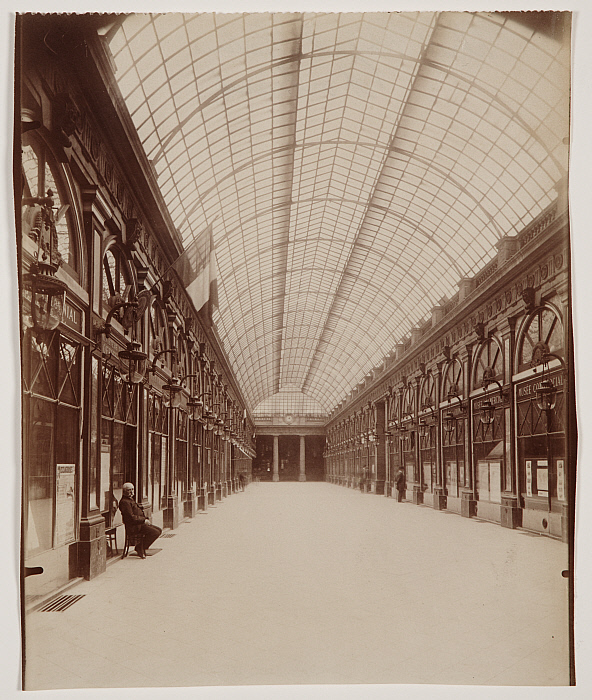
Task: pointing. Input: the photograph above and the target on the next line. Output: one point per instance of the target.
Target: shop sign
(528, 389)
(72, 317)
(528, 477)
(65, 503)
(111, 346)
(495, 399)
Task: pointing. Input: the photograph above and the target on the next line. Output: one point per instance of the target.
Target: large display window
(157, 448)
(453, 452)
(540, 433)
(408, 442)
(427, 432)
(456, 476)
(118, 439)
(489, 435)
(541, 444)
(51, 429)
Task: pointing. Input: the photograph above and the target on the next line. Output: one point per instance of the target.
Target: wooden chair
(111, 537)
(133, 541)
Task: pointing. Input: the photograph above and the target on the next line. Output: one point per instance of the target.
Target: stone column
(440, 499)
(276, 458)
(92, 547)
(511, 512)
(302, 476)
(468, 504)
(171, 512)
(380, 452)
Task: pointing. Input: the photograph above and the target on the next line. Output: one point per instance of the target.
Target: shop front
(453, 456)
(51, 408)
(488, 455)
(541, 452)
(118, 443)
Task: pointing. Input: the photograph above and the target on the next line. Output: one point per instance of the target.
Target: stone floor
(310, 583)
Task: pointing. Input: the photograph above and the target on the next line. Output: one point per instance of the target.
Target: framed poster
(483, 480)
(105, 470)
(65, 503)
(542, 477)
(560, 480)
(495, 482)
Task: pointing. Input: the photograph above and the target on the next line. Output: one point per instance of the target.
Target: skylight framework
(354, 168)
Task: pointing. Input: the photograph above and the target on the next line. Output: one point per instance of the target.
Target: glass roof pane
(354, 167)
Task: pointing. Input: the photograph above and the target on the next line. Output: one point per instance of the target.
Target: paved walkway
(312, 583)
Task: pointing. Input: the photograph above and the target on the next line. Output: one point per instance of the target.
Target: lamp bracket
(104, 327)
(153, 367)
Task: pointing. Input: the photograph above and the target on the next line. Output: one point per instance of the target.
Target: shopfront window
(488, 452)
(118, 439)
(181, 452)
(453, 450)
(427, 436)
(394, 449)
(541, 441)
(409, 460)
(541, 434)
(51, 443)
(157, 425)
(456, 476)
(409, 436)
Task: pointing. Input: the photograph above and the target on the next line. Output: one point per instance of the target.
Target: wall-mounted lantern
(47, 292)
(487, 408)
(134, 363)
(174, 388)
(546, 392)
(449, 421)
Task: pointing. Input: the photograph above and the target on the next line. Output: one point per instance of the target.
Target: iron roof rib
(339, 293)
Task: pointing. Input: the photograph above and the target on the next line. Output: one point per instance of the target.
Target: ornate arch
(489, 362)
(117, 278)
(408, 404)
(427, 392)
(541, 333)
(46, 182)
(453, 383)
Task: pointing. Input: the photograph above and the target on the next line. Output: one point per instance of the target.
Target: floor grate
(166, 535)
(60, 603)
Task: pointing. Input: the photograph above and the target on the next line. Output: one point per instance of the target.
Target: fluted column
(276, 458)
(302, 476)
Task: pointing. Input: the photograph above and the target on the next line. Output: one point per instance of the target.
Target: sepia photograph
(296, 349)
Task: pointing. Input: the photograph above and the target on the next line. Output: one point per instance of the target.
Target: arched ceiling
(354, 167)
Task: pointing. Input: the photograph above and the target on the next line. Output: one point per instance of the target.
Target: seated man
(136, 522)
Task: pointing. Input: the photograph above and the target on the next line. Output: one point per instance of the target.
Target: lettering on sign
(72, 317)
(527, 391)
(494, 399)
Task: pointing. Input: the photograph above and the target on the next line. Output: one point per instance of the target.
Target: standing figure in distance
(400, 484)
(136, 522)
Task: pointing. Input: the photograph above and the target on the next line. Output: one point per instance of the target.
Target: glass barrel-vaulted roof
(354, 168)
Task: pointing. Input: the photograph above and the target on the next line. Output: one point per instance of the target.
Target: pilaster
(276, 459)
(302, 475)
(92, 547)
